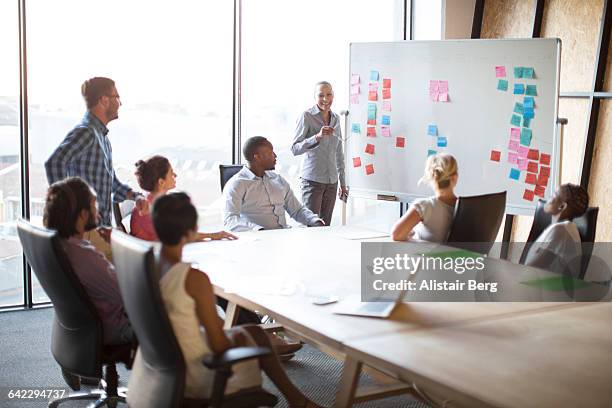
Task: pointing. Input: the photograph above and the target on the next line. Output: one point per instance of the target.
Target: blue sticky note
(528, 113)
(518, 108)
(442, 141)
(371, 111)
(356, 128)
(518, 72)
(516, 120)
(431, 152)
(529, 102)
(519, 89)
(526, 122)
(373, 75)
(386, 120)
(515, 174)
(528, 72)
(532, 90)
(502, 85)
(432, 130)
(526, 137)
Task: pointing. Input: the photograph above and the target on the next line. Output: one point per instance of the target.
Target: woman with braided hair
(432, 217)
(558, 247)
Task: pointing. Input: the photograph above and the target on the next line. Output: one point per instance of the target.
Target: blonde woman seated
(190, 302)
(156, 176)
(430, 218)
(558, 248)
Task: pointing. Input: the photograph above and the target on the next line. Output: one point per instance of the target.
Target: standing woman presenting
(319, 137)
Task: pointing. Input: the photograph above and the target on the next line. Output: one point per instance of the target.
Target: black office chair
(121, 211)
(158, 375)
(227, 171)
(476, 221)
(76, 340)
(587, 227)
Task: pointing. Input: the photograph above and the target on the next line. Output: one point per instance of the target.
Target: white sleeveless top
(191, 337)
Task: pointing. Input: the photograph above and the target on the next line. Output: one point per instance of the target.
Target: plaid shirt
(86, 153)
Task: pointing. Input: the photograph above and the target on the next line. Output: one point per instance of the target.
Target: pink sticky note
(354, 79)
(515, 133)
(513, 145)
(369, 148)
(373, 86)
(372, 96)
(433, 96)
(512, 158)
(371, 131)
(545, 159)
(443, 86)
(386, 83)
(355, 90)
(386, 93)
(385, 131)
(443, 97)
(355, 99)
(523, 152)
(522, 163)
(400, 141)
(387, 106)
(495, 155)
(500, 71)
(369, 169)
(356, 161)
(433, 86)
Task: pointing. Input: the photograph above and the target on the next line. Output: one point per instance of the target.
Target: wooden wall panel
(507, 19)
(576, 23)
(576, 112)
(600, 187)
(608, 78)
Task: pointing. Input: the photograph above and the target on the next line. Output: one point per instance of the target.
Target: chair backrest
(541, 220)
(477, 220)
(77, 333)
(158, 373)
(121, 211)
(227, 171)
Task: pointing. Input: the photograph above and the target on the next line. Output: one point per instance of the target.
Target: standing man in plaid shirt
(86, 153)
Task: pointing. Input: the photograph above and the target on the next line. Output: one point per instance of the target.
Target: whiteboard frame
(512, 209)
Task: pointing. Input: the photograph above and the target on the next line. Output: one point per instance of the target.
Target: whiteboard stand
(344, 113)
(561, 122)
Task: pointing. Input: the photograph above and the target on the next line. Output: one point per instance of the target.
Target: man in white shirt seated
(256, 198)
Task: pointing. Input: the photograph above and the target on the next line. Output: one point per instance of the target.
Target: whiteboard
(476, 120)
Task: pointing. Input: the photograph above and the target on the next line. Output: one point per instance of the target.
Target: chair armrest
(234, 355)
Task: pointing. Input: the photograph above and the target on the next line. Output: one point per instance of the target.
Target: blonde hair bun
(439, 168)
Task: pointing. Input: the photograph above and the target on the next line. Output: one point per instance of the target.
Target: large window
(289, 46)
(11, 265)
(427, 20)
(172, 64)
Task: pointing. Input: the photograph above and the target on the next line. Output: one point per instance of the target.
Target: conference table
(455, 354)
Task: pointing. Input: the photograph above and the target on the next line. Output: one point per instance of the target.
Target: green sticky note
(518, 108)
(556, 283)
(518, 72)
(516, 120)
(502, 85)
(526, 137)
(528, 72)
(430, 152)
(531, 90)
(526, 122)
(455, 253)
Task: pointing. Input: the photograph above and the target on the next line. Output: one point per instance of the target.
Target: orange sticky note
(495, 155)
(369, 148)
(530, 178)
(545, 171)
(532, 167)
(386, 83)
(534, 154)
(369, 169)
(372, 96)
(542, 180)
(545, 159)
(528, 195)
(371, 121)
(539, 191)
(400, 141)
(371, 131)
(386, 93)
(356, 161)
